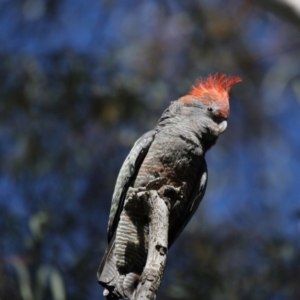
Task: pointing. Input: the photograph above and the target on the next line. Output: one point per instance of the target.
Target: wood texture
(158, 247)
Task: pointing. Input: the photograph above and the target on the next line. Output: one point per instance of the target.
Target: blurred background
(82, 80)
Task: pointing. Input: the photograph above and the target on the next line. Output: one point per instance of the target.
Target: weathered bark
(158, 247)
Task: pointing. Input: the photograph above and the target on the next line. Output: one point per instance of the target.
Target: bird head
(212, 96)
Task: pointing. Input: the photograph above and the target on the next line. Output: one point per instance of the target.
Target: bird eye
(210, 109)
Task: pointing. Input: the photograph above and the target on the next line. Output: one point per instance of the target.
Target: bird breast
(171, 160)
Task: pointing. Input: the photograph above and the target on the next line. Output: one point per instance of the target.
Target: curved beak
(222, 126)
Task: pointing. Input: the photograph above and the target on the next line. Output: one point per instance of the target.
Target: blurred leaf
(24, 279)
(38, 224)
(57, 285)
(49, 277)
(42, 276)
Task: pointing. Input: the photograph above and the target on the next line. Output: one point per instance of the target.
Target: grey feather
(125, 178)
(193, 203)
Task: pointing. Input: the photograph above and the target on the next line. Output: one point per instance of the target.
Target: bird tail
(116, 284)
(107, 273)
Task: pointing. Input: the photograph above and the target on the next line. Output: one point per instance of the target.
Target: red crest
(214, 88)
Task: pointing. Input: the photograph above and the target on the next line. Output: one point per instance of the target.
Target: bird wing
(192, 204)
(125, 178)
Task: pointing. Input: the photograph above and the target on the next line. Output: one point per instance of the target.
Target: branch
(286, 9)
(157, 252)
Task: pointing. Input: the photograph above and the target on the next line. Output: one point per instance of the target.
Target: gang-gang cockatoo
(169, 159)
